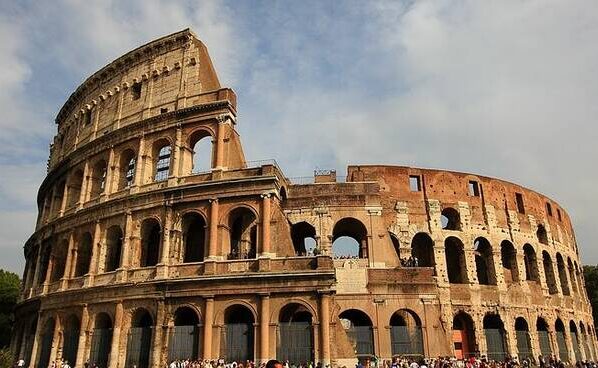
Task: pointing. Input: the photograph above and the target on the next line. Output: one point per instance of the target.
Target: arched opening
(572, 276)
(194, 237)
(243, 234)
(406, 334)
(455, 260)
(495, 337)
(303, 235)
(549, 273)
(71, 334)
(74, 188)
(101, 341)
(201, 146)
(162, 153)
(542, 235)
(46, 343)
(57, 201)
(531, 263)
(84, 250)
(560, 265)
(543, 337)
(508, 256)
(239, 334)
(150, 242)
(397, 247)
(583, 341)
(575, 340)
(29, 342)
(295, 334)
(283, 194)
(128, 161)
(559, 328)
(484, 262)
(524, 346)
(184, 340)
(349, 239)
(114, 243)
(450, 219)
(139, 339)
(358, 327)
(463, 336)
(422, 248)
(59, 254)
(98, 178)
(46, 253)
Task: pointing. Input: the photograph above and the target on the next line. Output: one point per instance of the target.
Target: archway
(46, 343)
(101, 341)
(295, 335)
(560, 265)
(543, 337)
(201, 146)
(70, 346)
(150, 242)
(495, 337)
(455, 260)
(406, 334)
(84, 250)
(575, 340)
(140, 339)
(303, 235)
(98, 178)
(185, 337)
(524, 346)
(59, 255)
(450, 219)
(74, 189)
(194, 237)
(484, 262)
(358, 328)
(572, 277)
(531, 263)
(463, 336)
(583, 341)
(549, 273)
(114, 242)
(239, 334)
(508, 256)
(29, 341)
(559, 327)
(542, 235)
(161, 153)
(350, 238)
(128, 162)
(422, 247)
(396, 244)
(243, 234)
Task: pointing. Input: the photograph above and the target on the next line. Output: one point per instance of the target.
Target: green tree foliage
(590, 274)
(5, 358)
(9, 293)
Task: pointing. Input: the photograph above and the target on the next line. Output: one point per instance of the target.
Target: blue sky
(501, 88)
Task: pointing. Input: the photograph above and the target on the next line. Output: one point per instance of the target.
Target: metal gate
(139, 347)
(523, 345)
(238, 342)
(295, 342)
(563, 352)
(362, 339)
(575, 344)
(101, 342)
(46, 348)
(71, 343)
(405, 342)
(496, 344)
(184, 343)
(544, 339)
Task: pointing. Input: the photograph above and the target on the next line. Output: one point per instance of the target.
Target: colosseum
(157, 240)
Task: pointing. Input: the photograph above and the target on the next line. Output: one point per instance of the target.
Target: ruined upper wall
(170, 73)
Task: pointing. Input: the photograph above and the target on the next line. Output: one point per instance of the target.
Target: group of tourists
(551, 361)
(410, 262)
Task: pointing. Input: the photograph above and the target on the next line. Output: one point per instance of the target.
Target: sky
(500, 88)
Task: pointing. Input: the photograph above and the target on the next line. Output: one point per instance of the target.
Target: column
(165, 259)
(158, 334)
(176, 156)
(139, 162)
(220, 141)
(36, 341)
(84, 185)
(325, 328)
(124, 259)
(95, 254)
(82, 337)
(110, 168)
(48, 273)
(265, 234)
(208, 325)
(37, 269)
(64, 198)
(68, 262)
(264, 329)
(213, 229)
(116, 335)
(56, 343)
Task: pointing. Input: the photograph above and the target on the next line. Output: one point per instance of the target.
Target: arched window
(128, 162)
(349, 238)
(185, 338)
(583, 341)
(422, 248)
(560, 265)
(243, 234)
(495, 337)
(45, 347)
(162, 162)
(572, 275)
(59, 264)
(508, 256)
(71, 339)
(140, 339)
(201, 146)
(57, 201)
(406, 334)
(114, 243)
(238, 334)
(543, 337)
(463, 336)
(575, 340)
(303, 235)
(395, 244)
(549, 273)
(484, 262)
(194, 237)
(358, 327)
(455, 260)
(542, 235)
(524, 346)
(295, 340)
(101, 341)
(531, 263)
(450, 219)
(84, 250)
(560, 339)
(98, 178)
(46, 254)
(74, 189)
(150, 242)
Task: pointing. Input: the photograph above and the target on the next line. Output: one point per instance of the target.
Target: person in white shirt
(21, 363)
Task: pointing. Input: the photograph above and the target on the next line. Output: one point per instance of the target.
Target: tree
(10, 284)
(590, 274)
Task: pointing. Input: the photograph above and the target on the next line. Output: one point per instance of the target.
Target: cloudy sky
(501, 88)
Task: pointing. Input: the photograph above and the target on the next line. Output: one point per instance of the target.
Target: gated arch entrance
(463, 336)
(101, 341)
(295, 334)
(543, 337)
(495, 337)
(140, 339)
(406, 334)
(358, 327)
(238, 334)
(71, 340)
(524, 346)
(184, 339)
(46, 346)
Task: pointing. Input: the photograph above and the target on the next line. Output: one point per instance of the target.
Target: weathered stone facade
(139, 257)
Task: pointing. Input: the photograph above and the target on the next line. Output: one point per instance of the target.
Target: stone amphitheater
(157, 240)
